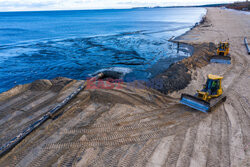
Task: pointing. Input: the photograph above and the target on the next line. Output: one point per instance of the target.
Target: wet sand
(139, 127)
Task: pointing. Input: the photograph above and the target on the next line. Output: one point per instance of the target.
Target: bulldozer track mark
(31, 97)
(132, 118)
(145, 153)
(225, 131)
(41, 159)
(125, 140)
(14, 100)
(243, 103)
(12, 132)
(175, 149)
(215, 137)
(231, 66)
(132, 128)
(187, 147)
(116, 154)
(19, 154)
(244, 59)
(117, 129)
(18, 106)
(99, 161)
(30, 111)
(70, 158)
(85, 144)
(130, 155)
(243, 117)
(134, 98)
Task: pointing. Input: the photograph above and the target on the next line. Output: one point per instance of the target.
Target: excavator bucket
(221, 59)
(195, 102)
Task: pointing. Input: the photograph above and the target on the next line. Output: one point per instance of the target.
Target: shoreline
(175, 40)
(183, 67)
(179, 74)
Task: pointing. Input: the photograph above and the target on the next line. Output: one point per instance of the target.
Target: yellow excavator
(222, 55)
(207, 98)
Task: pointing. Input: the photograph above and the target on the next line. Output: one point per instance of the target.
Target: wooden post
(178, 47)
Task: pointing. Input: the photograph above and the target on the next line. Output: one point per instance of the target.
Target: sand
(138, 127)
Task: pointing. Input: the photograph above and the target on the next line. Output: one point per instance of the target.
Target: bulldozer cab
(223, 49)
(212, 88)
(223, 45)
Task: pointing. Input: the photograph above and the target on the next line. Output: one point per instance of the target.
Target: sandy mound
(39, 85)
(178, 76)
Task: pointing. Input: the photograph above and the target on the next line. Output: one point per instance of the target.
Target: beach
(121, 125)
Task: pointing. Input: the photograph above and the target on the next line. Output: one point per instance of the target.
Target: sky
(34, 5)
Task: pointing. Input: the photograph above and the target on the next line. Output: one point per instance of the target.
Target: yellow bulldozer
(222, 56)
(207, 98)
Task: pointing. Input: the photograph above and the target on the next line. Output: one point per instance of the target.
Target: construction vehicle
(222, 55)
(207, 98)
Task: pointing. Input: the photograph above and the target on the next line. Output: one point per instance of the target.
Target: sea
(79, 44)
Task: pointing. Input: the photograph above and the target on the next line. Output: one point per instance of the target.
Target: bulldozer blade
(221, 59)
(195, 102)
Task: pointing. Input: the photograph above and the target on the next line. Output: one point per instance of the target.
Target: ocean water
(79, 44)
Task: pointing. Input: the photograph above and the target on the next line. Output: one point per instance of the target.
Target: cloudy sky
(30, 5)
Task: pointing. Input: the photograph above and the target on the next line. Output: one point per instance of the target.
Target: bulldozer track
(215, 136)
(132, 118)
(43, 103)
(20, 154)
(224, 131)
(42, 159)
(243, 117)
(245, 105)
(130, 154)
(187, 147)
(144, 125)
(20, 117)
(228, 69)
(175, 149)
(133, 128)
(243, 102)
(69, 159)
(158, 132)
(18, 105)
(116, 152)
(99, 160)
(145, 153)
(242, 71)
(35, 108)
(14, 100)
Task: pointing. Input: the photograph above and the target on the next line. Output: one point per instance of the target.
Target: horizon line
(145, 7)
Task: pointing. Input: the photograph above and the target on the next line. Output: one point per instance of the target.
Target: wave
(13, 29)
(113, 72)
